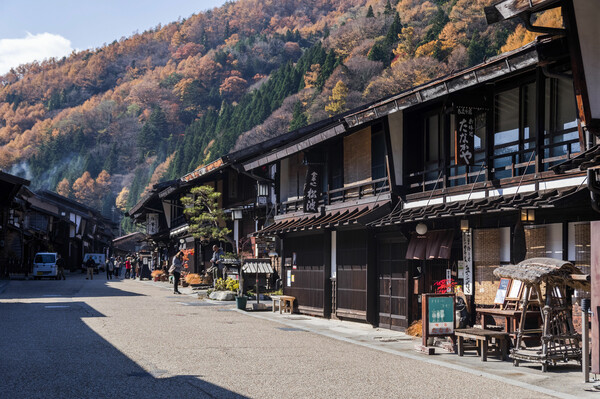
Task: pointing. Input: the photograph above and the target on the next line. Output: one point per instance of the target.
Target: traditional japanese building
(473, 165)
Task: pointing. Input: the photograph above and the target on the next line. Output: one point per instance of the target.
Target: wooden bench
(285, 303)
(486, 341)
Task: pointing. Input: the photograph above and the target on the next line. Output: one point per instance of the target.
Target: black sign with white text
(312, 189)
(465, 136)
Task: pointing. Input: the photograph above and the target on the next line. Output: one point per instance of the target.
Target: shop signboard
(152, 223)
(312, 189)
(467, 244)
(465, 136)
(438, 315)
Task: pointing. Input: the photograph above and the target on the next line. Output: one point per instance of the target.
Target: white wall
(554, 241)
(333, 254)
(505, 244)
(284, 181)
(586, 13)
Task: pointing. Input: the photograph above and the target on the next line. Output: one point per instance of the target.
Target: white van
(44, 265)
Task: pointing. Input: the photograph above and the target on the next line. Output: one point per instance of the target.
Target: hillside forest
(103, 125)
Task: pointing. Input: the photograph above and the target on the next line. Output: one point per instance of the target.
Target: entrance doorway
(394, 277)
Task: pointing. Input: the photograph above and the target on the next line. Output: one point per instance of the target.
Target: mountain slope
(158, 104)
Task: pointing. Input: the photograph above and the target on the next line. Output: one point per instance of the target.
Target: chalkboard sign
(502, 290)
(438, 315)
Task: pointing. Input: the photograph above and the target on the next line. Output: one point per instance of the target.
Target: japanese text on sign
(440, 315)
(467, 245)
(312, 190)
(465, 136)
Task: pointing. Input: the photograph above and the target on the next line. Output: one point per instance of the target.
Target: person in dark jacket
(91, 265)
(60, 266)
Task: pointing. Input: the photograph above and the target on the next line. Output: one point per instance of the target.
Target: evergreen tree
(299, 118)
(476, 51)
(370, 13)
(388, 8)
(382, 49)
(110, 163)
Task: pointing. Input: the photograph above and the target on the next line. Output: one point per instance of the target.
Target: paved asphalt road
(129, 339)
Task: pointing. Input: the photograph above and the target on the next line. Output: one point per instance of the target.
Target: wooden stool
(287, 303)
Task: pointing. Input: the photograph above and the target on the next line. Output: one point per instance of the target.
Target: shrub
(227, 285)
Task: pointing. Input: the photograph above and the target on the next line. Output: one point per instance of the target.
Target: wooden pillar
(595, 276)
(372, 289)
(327, 292)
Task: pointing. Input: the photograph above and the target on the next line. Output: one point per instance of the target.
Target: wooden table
(486, 340)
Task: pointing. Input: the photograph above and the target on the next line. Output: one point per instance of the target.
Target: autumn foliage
(104, 125)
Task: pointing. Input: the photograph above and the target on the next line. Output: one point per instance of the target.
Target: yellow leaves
(337, 99)
(232, 40)
(404, 75)
(64, 188)
(311, 76)
(521, 36)
(407, 46)
(426, 50)
(92, 192)
(121, 201)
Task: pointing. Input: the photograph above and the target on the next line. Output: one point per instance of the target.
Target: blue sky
(35, 29)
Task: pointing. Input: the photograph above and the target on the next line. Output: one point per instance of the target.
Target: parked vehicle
(100, 260)
(44, 265)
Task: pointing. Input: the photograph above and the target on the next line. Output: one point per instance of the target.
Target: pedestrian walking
(117, 267)
(136, 266)
(60, 265)
(91, 265)
(110, 268)
(175, 270)
(128, 268)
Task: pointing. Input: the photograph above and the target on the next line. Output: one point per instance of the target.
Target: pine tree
(299, 118)
(370, 13)
(388, 9)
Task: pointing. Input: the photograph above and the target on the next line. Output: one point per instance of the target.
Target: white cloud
(14, 52)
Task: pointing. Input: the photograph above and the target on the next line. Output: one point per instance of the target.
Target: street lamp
(421, 229)
(528, 216)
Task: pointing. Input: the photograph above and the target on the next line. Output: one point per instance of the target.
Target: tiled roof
(536, 199)
(343, 217)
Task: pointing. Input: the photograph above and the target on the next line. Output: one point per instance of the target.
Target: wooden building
(11, 233)
(472, 158)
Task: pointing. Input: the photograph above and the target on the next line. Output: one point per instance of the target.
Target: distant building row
(33, 222)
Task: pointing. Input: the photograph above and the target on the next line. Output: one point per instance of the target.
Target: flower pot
(241, 302)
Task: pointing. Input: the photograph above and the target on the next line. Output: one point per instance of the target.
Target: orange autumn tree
(92, 192)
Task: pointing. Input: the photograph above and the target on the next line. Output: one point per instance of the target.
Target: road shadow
(77, 287)
(48, 351)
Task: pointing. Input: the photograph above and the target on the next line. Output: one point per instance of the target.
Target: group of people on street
(131, 264)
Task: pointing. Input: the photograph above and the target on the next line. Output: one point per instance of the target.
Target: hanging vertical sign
(467, 246)
(312, 189)
(464, 151)
(152, 223)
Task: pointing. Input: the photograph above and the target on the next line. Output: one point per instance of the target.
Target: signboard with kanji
(312, 189)
(152, 223)
(464, 151)
(467, 246)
